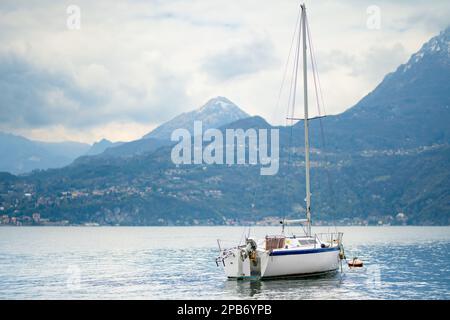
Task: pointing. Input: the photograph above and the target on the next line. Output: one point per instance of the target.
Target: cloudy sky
(134, 64)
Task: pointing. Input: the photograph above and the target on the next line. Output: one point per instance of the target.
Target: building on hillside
(36, 217)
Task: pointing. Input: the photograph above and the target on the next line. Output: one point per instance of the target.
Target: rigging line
(315, 71)
(293, 86)
(296, 70)
(277, 105)
(294, 94)
(291, 108)
(292, 98)
(317, 86)
(314, 61)
(242, 236)
(280, 92)
(292, 112)
(286, 182)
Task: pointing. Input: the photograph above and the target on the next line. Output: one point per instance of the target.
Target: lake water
(178, 263)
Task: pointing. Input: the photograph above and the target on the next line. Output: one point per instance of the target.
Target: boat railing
(331, 238)
(228, 244)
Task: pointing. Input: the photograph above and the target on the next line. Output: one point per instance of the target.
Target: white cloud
(240, 60)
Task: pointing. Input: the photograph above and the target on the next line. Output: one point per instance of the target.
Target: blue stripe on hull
(287, 276)
(306, 251)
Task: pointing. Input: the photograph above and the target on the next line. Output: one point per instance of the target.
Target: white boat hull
(301, 263)
(282, 263)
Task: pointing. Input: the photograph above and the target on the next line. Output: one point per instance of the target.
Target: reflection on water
(178, 263)
(293, 288)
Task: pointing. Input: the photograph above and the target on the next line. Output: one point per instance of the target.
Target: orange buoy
(355, 263)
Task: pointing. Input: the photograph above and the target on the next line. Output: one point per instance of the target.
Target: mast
(305, 95)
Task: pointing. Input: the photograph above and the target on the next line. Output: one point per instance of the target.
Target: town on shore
(36, 220)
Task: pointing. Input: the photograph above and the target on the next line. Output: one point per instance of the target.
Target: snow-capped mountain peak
(438, 43)
(437, 47)
(215, 113)
(218, 102)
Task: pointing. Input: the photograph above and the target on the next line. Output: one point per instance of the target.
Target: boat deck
(296, 244)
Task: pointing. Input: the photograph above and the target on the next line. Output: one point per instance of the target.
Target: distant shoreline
(210, 226)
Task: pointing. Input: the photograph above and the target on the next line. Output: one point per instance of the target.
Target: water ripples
(180, 270)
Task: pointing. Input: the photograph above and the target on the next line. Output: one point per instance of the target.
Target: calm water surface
(178, 263)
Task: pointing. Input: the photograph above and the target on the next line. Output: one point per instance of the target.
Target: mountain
(20, 155)
(125, 150)
(214, 114)
(101, 146)
(409, 108)
(389, 153)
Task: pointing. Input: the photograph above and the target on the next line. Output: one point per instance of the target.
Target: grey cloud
(430, 19)
(373, 64)
(152, 90)
(190, 20)
(33, 97)
(380, 60)
(241, 60)
(330, 60)
(24, 95)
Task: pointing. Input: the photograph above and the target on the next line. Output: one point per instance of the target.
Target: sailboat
(287, 255)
